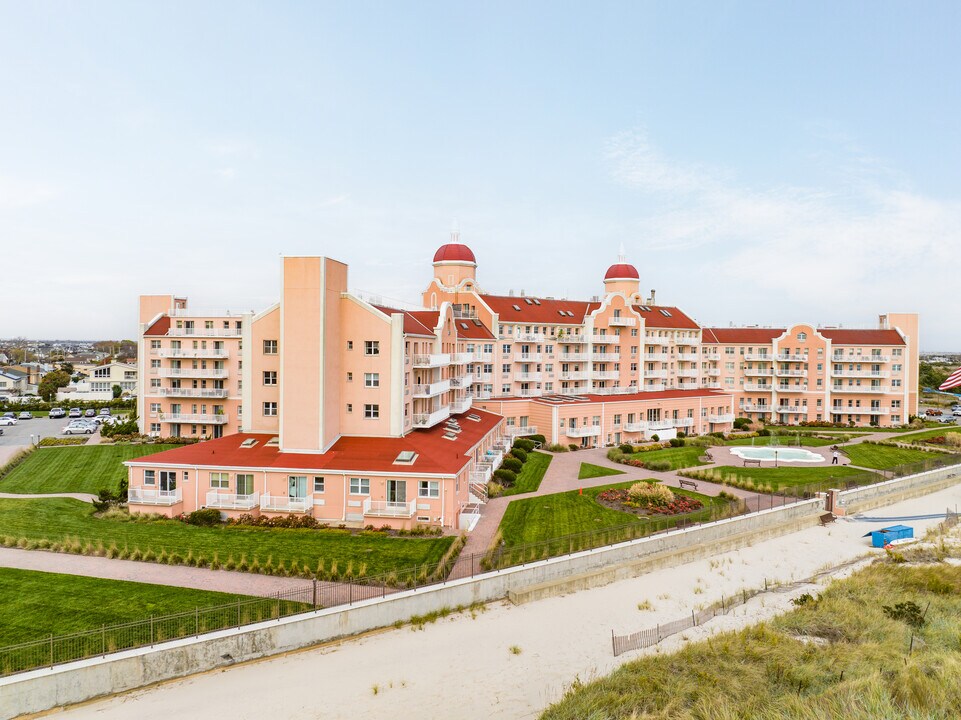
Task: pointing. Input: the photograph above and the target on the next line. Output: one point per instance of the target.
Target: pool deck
(723, 455)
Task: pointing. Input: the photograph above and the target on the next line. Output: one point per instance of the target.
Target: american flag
(954, 379)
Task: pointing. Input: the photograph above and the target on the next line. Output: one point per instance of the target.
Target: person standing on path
(834, 458)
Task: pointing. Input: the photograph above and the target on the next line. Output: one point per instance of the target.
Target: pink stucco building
(358, 413)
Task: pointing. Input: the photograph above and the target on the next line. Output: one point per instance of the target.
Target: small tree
(117, 392)
(51, 382)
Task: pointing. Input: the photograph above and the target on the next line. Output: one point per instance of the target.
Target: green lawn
(530, 476)
(592, 471)
(86, 469)
(884, 457)
(679, 457)
(925, 434)
(786, 441)
(60, 519)
(785, 476)
(34, 604)
(568, 513)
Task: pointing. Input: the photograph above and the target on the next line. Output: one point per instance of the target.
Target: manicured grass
(568, 513)
(679, 457)
(925, 434)
(784, 476)
(84, 469)
(785, 441)
(883, 457)
(34, 604)
(860, 668)
(63, 519)
(530, 476)
(592, 471)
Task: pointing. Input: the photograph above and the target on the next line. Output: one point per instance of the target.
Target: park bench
(826, 519)
(687, 483)
(753, 462)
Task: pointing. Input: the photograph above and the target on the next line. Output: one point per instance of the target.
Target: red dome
(622, 271)
(454, 252)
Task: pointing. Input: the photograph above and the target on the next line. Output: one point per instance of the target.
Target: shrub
(556, 447)
(655, 437)
(763, 432)
(625, 448)
(573, 448)
(524, 444)
(676, 442)
(653, 494)
(741, 423)
(506, 478)
(105, 501)
(512, 464)
(681, 434)
(658, 465)
(205, 517)
(537, 438)
(519, 454)
(908, 612)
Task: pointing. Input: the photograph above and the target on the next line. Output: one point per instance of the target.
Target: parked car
(8, 420)
(57, 413)
(957, 411)
(946, 419)
(933, 413)
(9, 414)
(25, 415)
(75, 412)
(79, 429)
(90, 412)
(105, 412)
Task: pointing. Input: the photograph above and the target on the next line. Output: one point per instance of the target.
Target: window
(371, 347)
(220, 480)
(371, 411)
(270, 409)
(154, 344)
(350, 407)
(350, 377)
(359, 486)
(428, 489)
(371, 380)
(318, 484)
(801, 336)
(154, 409)
(149, 477)
(270, 347)
(350, 344)
(270, 377)
(155, 427)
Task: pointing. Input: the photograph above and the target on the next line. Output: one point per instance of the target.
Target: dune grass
(853, 661)
(775, 478)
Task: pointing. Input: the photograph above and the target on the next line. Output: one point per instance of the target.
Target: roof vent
(475, 418)
(273, 442)
(450, 436)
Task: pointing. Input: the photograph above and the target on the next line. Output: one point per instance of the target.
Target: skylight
(450, 436)
(248, 443)
(475, 418)
(528, 301)
(273, 442)
(665, 313)
(406, 457)
(463, 325)
(536, 301)
(562, 313)
(516, 307)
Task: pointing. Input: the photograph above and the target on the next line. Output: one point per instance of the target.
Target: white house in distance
(99, 386)
(14, 382)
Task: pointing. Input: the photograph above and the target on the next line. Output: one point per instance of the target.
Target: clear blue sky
(761, 162)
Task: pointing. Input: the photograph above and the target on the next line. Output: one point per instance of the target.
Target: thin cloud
(19, 193)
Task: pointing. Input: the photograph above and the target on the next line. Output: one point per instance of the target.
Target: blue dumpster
(880, 538)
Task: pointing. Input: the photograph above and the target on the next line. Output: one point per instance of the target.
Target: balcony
(605, 357)
(655, 425)
(203, 332)
(657, 341)
(232, 501)
(710, 385)
(860, 411)
(635, 427)
(530, 337)
(605, 339)
(657, 357)
(198, 418)
(616, 390)
(757, 357)
(687, 372)
(428, 390)
(189, 353)
(687, 386)
(751, 407)
(528, 357)
(514, 430)
(580, 390)
(860, 389)
(574, 357)
(528, 393)
(482, 394)
(605, 375)
(188, 372)
(483, 377)
(434, 360)
(622, 322)
(792, 388)
(527, 376)
(483, 357)
(463, 381)
(763, 372)
(687, 357)
(285, 503)
(863, 359)
(462, 405)
(656, 373)
(791, 357)
(861, 373)
(713, 372)
(151, 496)
(429, 420)
(583, 431)
(461, 358)
(784, 372)
(758, 387)
(573, 376)
(682, 422)
(189, 392)
(654, 387)
(791, 409)
(389, 508)
(578, 339)
(720, 419)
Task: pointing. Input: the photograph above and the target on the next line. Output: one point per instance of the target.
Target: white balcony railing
(657, 357)
(232, 501)
(461, 358)
(687, 357)
(758, 357)
(758, 387)
(199, 418)
(656, 373)
(682, 422)
(687, 372)
(604, 339)
(790, 357)
(152, 496)
(513, 430)
(792, 388)
(573, 376)
(528, 357)
(660, 424)
(389, 508)
(483, 357)
(859, 410)
(657, 341)
(431, 361)
(203, 332)
(753, 407)
(529, 337)
(188, 372)
(189, 353)
(462, 405)
(785, 372)
(574, 357)
(527, 376)
(584, 431)
(865, 359)
(426, 390)
(711, 385)
(463, 381)
(763, 372)
(605, 375)
(482, 394)
(605, 357)
(725, 418)
(529, 393)
(285, 503)
(861, 373)
(654, 387)
(622, 322)
(428, 420)
(635, 426)
(713, 372)
(687, 386)
(791, 409)
(861, 389)
(578, 339)
(189, 392)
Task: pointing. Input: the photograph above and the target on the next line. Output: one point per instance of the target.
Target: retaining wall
(892, 491)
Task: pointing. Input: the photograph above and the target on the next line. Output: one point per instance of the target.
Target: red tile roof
(653, 317)
(472, 329)
(454, 252)
(862, 337)
(621, 271)
(415, 323)
(758, 336)
(160, 327)
(544, 311)
(435, 454)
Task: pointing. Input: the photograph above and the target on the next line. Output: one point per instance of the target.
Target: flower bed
(621, 499)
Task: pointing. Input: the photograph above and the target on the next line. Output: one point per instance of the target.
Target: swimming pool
(783, 454)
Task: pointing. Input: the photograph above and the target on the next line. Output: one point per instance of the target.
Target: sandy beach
(505, 661)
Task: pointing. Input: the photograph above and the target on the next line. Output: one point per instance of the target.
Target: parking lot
(20, 434)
